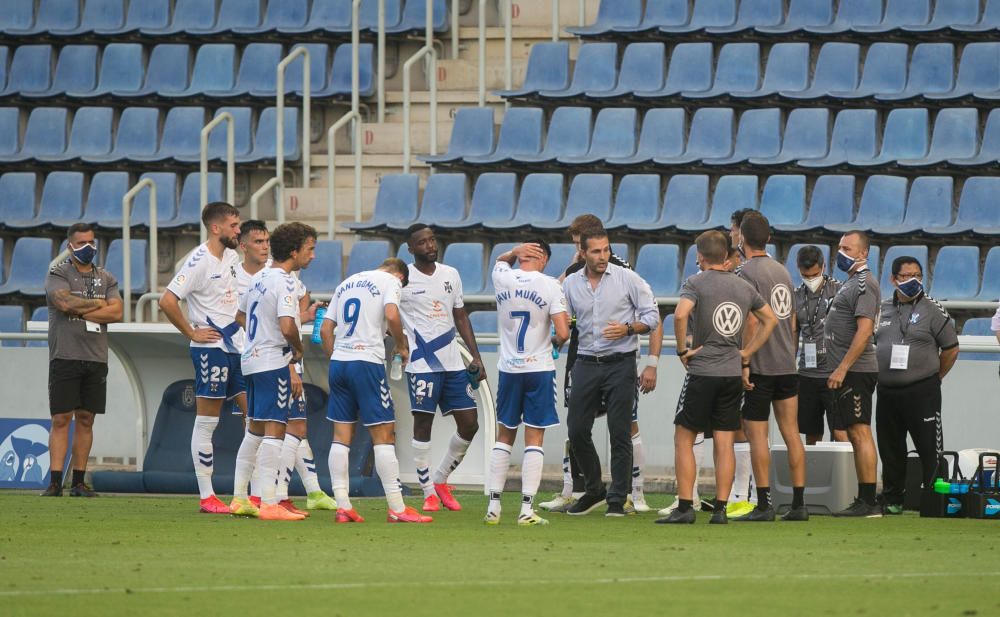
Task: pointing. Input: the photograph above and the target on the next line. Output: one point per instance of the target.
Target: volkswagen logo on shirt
(781, 301)
(727, 319)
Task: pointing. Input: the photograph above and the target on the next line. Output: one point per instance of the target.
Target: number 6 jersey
(358, 309)
(270, 296)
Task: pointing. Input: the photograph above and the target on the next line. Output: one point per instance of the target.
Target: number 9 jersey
(358, 309)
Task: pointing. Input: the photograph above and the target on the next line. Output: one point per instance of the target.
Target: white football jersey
(270, 296)
(358, 309)
(427, 305)
(243, 283)
(525, 302)
(209, 286)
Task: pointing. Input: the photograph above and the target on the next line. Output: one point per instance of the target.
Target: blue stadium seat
(831, 203)
(114, 262)
(787, 71)
(89, 136)
(181, 135)
(29, 264)
(166, 201)
(214, 69)
(883, 203)
(806, 137)
(540, 200)
(367, 255)
(445, 196)
(918, 251)
(932, 69)
(76, 71)
(685, 203)
(731, 193)
(904, 136)
(467, 258)
(897, 14)
(642, 69)
(265, 147)
(976, 208)
(978, 326)
(233, 15)
(52, 16)
(319, 69)
(568, 135)
(415, 18)
(62, 199)
(610, 14)
(990, 291)
(690, 69)
(12, 320)
(752, 14)
(168, 71)
(978, 71)
(40, 314)
(562, 256)
(122, 71)
(588, 194)
(956, 135)
(483, 322)
(104, 199)
(659, 265)
(690, 263)
(393, 15)
(326, 270)
(837, 69)
(286, 13)
(705, 14)
(990, 19)
(657, 13)
(9, 130)
(637, 201)
(710, 136)
(801, 14)
(596, 69)
(4, 61)
(548, 69)
(339, 82)
(791, 263)
(105, 15)
(45, 134)
(494, 196)
(663, 134)
(947, 13)
(18, 15)
(137, 136)
(189, 15)
(30, 70)
(850, 14)
(395, 204)
(471, 135)
(929, 204)
(758, 136)
(151, 14)
(256, 73)
(956, 273)
(737, 70)
(242, 137)
(189, 207)
(615, 132)
(17, 201)
(853, 139)
(884, 73)
(520, 133)
(783, 199)
(325, 16)
(989, 147)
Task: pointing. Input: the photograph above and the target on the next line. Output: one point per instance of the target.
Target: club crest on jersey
(781, 301)
(915, 318)
(232, 271)
(727, 319)
(447, 286)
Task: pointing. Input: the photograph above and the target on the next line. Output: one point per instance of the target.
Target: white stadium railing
(230, 162)
(126, 286)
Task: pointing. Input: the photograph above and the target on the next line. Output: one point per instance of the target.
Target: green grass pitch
(139, 555)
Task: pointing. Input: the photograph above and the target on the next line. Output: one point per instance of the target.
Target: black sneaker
(796, 514)
(586, 504)
(719, 517)
(677, 518)
(759, 514)
(615, 509)
(54, 490)
(82, 490)
(860, 509)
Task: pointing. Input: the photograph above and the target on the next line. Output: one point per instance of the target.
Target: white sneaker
(639, 502)
(558, 503)
(696, 504)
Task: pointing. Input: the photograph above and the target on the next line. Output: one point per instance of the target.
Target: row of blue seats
(220, 71)
(630, 18)
(892, 72)
(713, 138)
(101, 135)
(69, 19)
(67, 198)
(30, 259)
(888, 206)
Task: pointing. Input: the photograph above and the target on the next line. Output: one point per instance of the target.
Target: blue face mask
(844, 262)
(85, 254)
(910, 288)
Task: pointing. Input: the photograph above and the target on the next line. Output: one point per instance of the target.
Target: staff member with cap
(916, 345)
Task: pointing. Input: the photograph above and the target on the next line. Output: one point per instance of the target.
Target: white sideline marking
(424, 584)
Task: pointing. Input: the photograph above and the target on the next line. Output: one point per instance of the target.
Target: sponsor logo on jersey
(727, 319)
(781, 301)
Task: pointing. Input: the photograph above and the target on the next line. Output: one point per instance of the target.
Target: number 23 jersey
(358, 309)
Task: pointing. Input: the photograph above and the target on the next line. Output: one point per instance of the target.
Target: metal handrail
(454, 28)
(381, 54)
(331, 166)
(482, 53)
(508, 35)
(145, 298)
(280, 122)
(506, 9)
(275, 181)
(127, 200)
(432, 79)
(230, 162)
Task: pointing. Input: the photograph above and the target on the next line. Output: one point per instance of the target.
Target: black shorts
(815, 402)
(853, 401)
(767, 389)
(709, 403)
(77, 384)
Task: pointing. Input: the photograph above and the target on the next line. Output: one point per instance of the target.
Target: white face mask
(814, 283)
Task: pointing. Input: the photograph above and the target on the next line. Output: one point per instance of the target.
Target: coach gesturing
(613, 305)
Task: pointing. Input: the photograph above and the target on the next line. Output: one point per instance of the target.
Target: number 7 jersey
(525, 303)
(358, 309)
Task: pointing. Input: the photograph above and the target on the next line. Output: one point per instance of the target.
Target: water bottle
(942, 487)
(472, 374)
(320, 313)
(555, 350)
(396, 370)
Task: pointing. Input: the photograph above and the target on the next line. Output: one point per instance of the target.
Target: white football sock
(268, 459)
(699, 455)
(203, 453)
(499, 462)
(457, 447)
(388, 470)
(422, 459)
(245, 458)
(567, 489)
(339, 457)
(305, 464)
(289, 448)
(638, 461)
(531, 477)
(742, 490)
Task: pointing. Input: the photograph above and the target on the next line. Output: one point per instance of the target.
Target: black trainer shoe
(54, 490)
(860, 509)
(758, 515)
(82, 490)
(719, 517)
(615, 509)
(586, 504)
(796, 514)
(677, 518)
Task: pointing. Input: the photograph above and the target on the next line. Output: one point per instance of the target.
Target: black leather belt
(608, 359)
